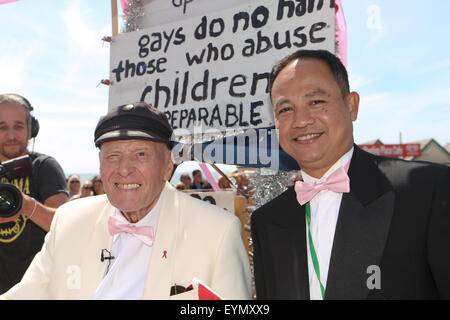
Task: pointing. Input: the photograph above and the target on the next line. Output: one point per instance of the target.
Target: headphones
(33, 124)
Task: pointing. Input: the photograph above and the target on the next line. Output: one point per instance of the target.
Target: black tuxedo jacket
(396, 217)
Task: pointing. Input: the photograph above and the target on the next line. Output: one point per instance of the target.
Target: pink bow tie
(145, 234)
(338, 181)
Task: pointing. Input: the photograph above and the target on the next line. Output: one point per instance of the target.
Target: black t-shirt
(20, 240)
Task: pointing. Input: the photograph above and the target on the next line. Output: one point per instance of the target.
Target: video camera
(10, 196)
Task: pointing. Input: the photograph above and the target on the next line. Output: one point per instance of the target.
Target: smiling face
(134, 173)
(13, 131)
(313, 118)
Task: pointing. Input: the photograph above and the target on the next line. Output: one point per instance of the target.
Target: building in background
(430, 150)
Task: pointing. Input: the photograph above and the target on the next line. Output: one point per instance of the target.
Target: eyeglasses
(74, 181)
(86, 187)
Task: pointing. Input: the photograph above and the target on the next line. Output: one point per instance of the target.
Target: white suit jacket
(200, 240)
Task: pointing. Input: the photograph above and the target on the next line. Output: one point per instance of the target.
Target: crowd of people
(90, 187)
(237, 180)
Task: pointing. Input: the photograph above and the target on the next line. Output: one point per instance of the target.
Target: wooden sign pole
(115, 19)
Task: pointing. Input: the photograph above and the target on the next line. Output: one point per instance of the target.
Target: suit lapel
(361, 231)
(159, 275)
(100, 239)
(287, 241)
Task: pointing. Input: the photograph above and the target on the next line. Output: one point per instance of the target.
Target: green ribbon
(312, 250)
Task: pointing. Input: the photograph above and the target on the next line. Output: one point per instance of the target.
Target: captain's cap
(138, 120)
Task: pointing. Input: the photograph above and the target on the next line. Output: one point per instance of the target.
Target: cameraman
(43, 190)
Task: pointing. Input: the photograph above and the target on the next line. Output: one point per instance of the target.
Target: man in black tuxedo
(368, 227)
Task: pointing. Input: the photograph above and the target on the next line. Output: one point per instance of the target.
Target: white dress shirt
(128, 270)
(324, 214)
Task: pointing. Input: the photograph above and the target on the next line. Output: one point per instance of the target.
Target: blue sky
(398, 61)
(400, 65)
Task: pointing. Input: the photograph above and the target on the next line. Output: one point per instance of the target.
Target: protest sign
(212, 70)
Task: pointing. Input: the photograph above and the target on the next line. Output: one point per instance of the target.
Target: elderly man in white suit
(143, 239)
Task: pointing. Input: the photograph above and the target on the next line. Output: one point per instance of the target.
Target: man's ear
(352, 101)
(99, 161)
(169, 167)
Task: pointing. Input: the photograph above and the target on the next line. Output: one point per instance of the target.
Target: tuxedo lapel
(159, 275)
(361, 231)
(287, 241)
(100, 239)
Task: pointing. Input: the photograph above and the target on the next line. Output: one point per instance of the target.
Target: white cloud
(70, 141)
(57, 64)
(67, 130)
(69, 112)
(81, 34)
(358, 81)
(15, 64)
(373, 101)
(418, 115)
(436, 66)
(84, 51)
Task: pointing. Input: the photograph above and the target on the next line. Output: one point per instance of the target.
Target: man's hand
(42, 213)
(13, 218)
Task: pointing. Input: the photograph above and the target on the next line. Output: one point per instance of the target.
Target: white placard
(211, 71)
(159, 12)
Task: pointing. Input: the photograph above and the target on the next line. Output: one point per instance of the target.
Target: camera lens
(10, 200)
